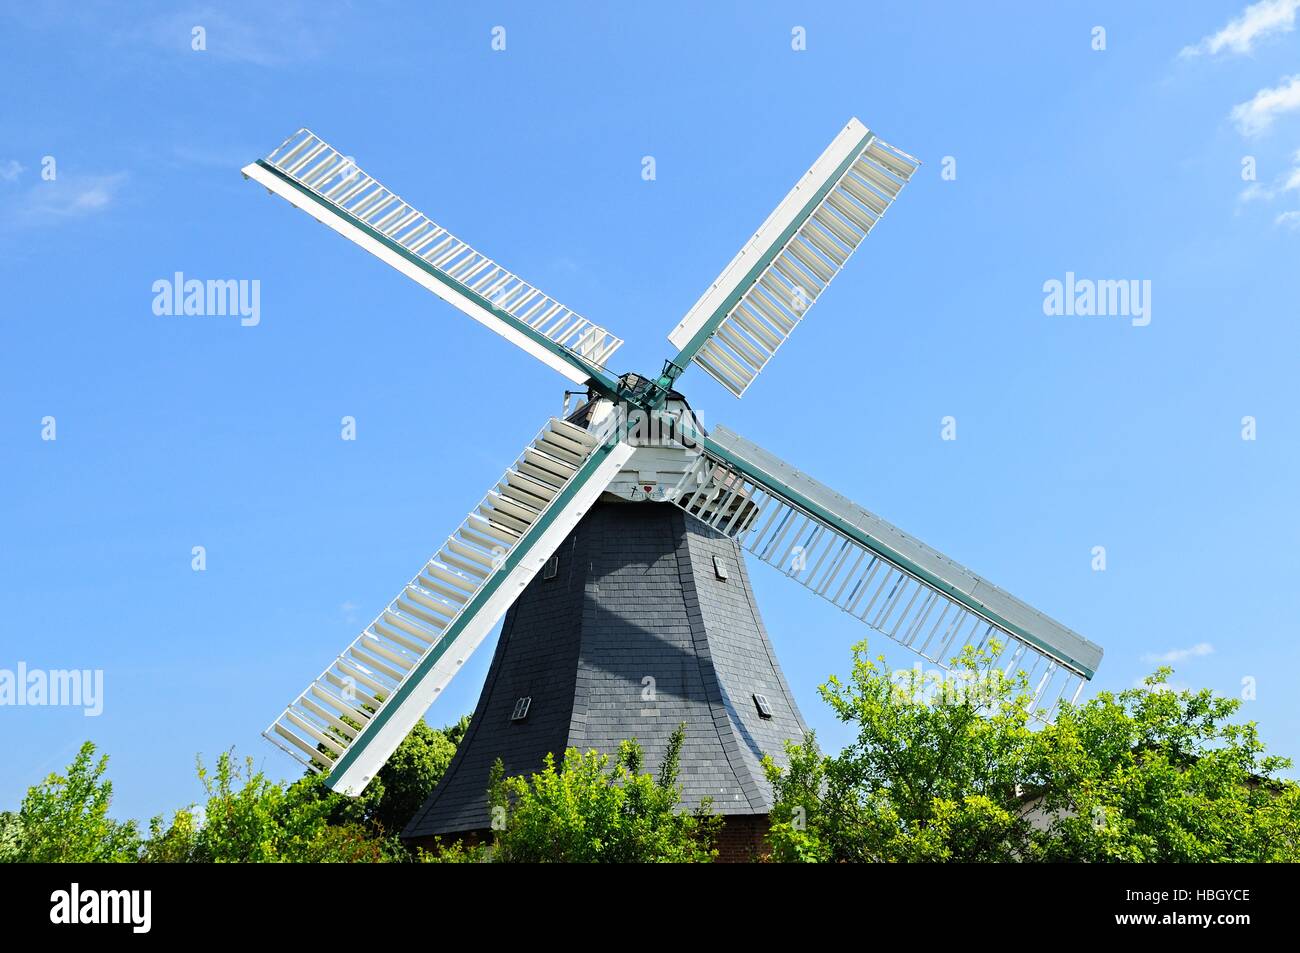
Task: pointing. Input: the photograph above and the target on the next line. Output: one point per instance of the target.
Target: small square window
(761, 703)
(551, 568)
(521, 708)
(720, 568)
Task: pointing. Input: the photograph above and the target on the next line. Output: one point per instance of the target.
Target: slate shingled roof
(636, 596)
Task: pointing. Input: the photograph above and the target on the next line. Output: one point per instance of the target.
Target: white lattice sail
(874, 571)
(328, 185)
(767, 289)
(349, 719)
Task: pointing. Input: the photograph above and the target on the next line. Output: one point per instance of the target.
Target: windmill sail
(891, 581)
(330, 187)
(349, 720)
(767, 289)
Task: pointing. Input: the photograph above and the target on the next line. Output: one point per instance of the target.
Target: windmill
(613, 544)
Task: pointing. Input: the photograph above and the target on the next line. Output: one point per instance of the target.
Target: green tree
(587, 810)
(1155, 775)
(922, 781)
(65, 818)
(10, 838)
(950, 768)
(404, 782)
(245, 816)
(248, 818)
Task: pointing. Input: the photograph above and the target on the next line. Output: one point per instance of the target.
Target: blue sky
(1073, 431)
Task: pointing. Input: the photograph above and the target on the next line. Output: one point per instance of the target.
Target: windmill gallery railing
(343, 702)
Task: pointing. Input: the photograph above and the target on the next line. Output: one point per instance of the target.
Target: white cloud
(9, 169)
(1179, 655)
(1289, 220)
(1256, 22)
(67, 197)
(1260, 192)
(1293, 179)
(1257, 114)
(283, 34)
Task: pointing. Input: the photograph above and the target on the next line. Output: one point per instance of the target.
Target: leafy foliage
(65, 818)
(942, 768)
(248, 818)
(585, 810)
(950, 769)
(1161, 776)
(921, 781)
(405, 780)
(245, 817)
(588, 811)
(10, 837)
